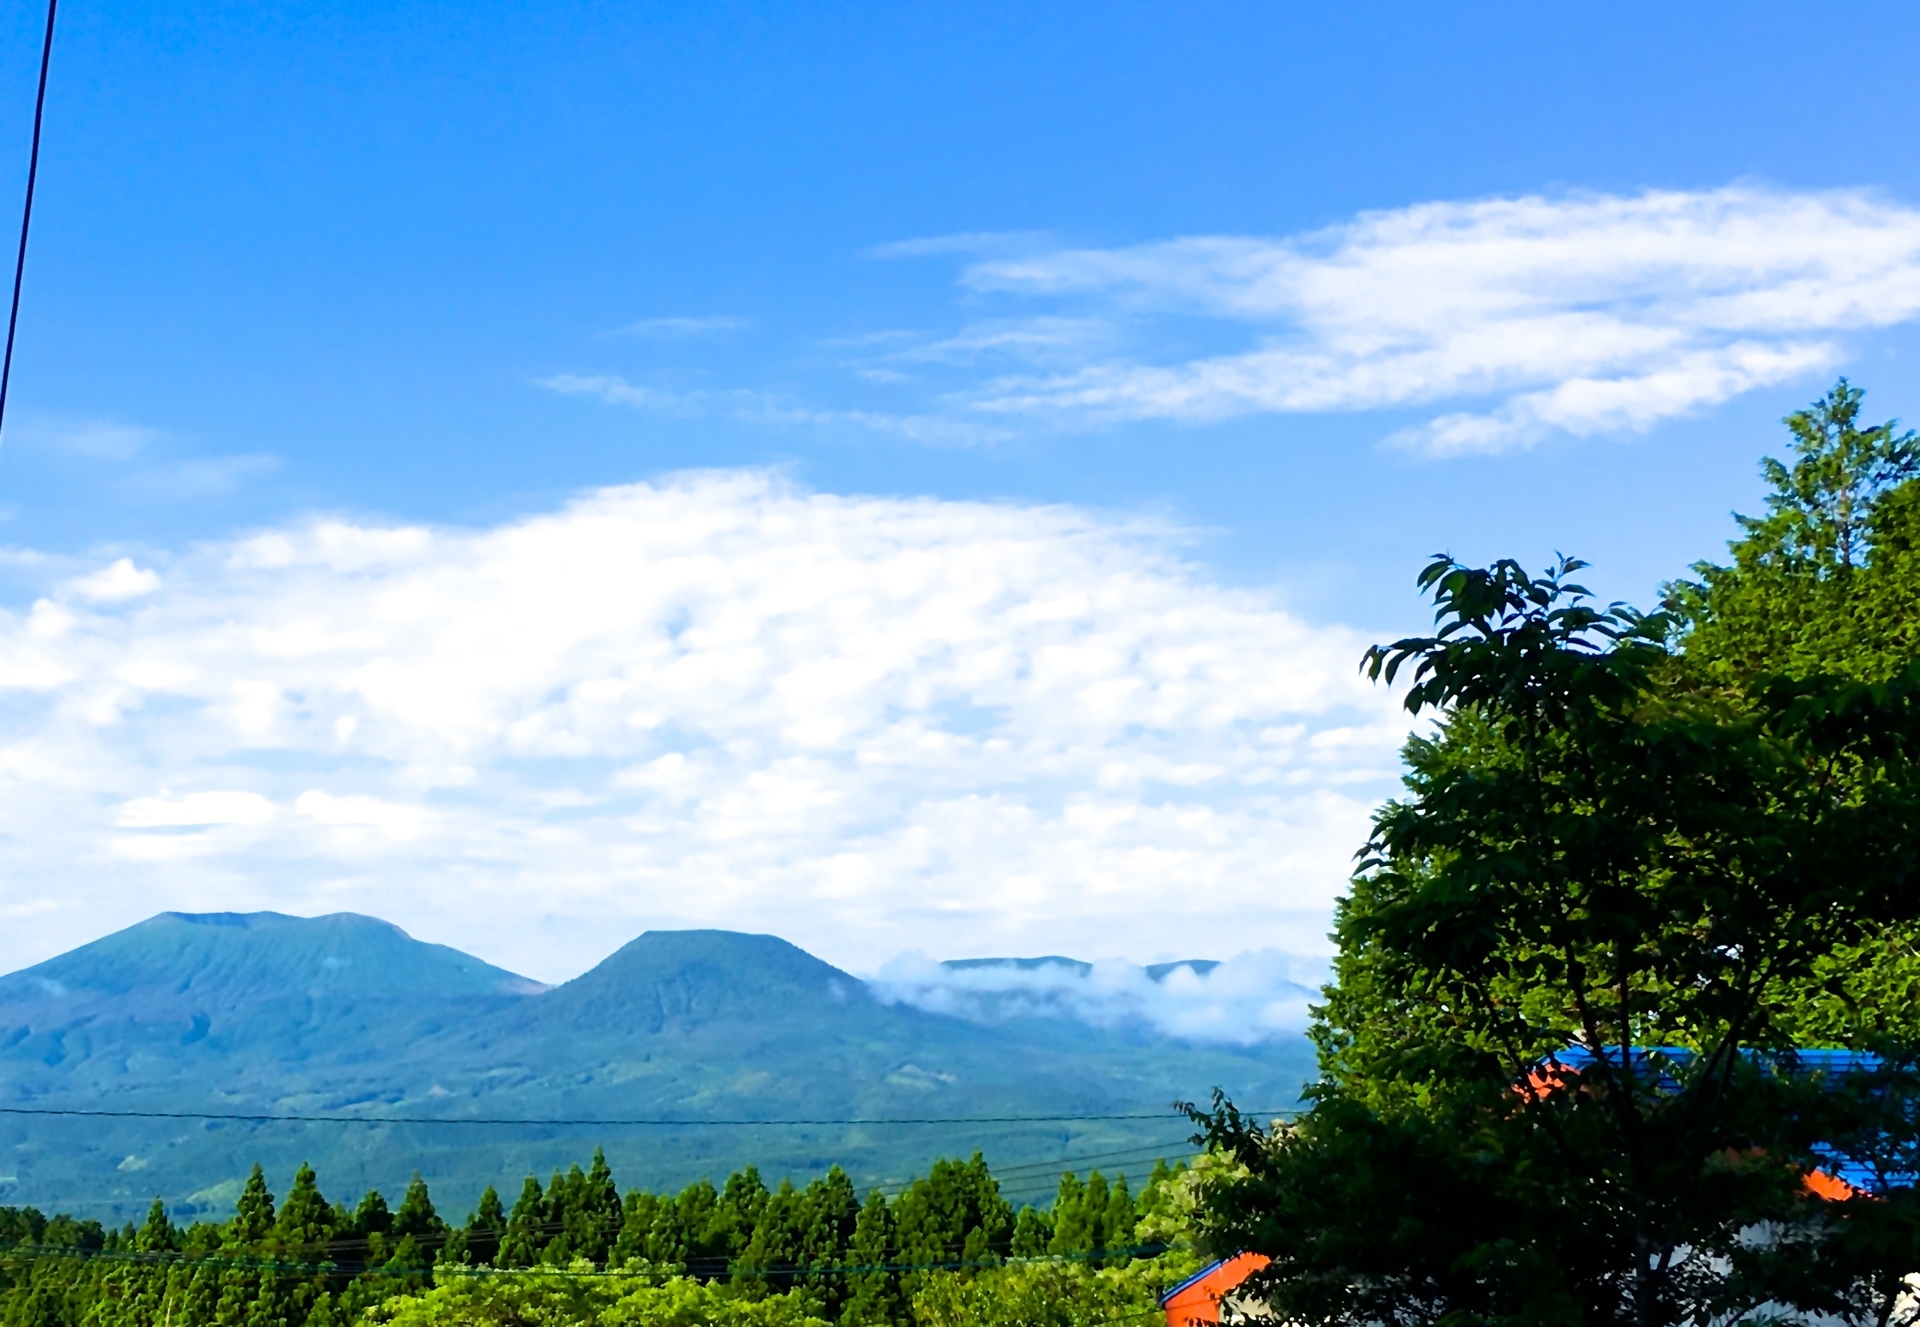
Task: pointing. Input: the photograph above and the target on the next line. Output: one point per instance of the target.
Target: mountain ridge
(231, 1014)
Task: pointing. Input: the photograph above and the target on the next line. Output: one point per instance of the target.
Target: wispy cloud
(968, 242)
(1578, 314)
(96, 439)
(767, 408)
(1251, 997)
(715, 324)
(715, 700)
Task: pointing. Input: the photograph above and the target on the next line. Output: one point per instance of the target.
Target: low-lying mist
(1261, 995)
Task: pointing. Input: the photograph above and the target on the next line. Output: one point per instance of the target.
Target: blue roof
(1829, 1064)
(1198, 1276)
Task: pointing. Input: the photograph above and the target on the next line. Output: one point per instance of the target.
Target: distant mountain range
(266, 1014)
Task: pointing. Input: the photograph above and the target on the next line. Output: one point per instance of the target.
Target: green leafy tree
(1828, 580)
(1558, 1081)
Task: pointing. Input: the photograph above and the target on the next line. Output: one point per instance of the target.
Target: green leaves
(1608, 848)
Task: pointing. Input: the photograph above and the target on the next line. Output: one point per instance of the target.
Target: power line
(26, 212)
(661, 1123)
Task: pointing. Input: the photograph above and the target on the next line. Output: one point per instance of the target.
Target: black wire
(26, 214)
(639, 1123)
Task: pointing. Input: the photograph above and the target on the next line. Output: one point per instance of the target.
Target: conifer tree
(638, 1211)
(1116, 1224)
(873, 1288)
(416, 1220)
(766, 1266)
(524, 1238)
(157, 1234)
(701, 1229)
(1073, 1231)
(596, 1220)
(253, 1215)
(737, 1211)
(305, 1223)
(1032, 1232)
(479, 1242)
(831, 1210)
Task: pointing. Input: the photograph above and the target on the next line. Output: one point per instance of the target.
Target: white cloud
(195, 810)
(1251, 997)
(118, 580)
(1577, 314)
(865, 724)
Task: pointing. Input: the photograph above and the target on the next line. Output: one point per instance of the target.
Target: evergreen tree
(638, 1212)
(737, 1212)
(873, 1296)
(157, 1235)
(1032, 1233)
(416, 1220)
(830, 1212)
(596, 1217)
(1073, 1226)
(305, 1223)
(704, 1231)
(952, 1218)
(1116, 1223)
(766, 1266)
(480, 1241)
(253, 1215)
(525, 1236)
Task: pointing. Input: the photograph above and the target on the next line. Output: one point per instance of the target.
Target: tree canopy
(1638, 859)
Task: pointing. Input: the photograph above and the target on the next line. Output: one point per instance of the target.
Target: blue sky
(1279, 299)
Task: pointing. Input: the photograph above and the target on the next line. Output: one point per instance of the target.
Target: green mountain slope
(347, 1015)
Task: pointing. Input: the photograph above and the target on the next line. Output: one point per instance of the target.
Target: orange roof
(1198, 1298)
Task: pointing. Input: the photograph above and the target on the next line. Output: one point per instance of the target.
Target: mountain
(238, 996)
(347, 1015)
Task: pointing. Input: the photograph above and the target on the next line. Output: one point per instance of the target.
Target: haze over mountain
(266, 1014)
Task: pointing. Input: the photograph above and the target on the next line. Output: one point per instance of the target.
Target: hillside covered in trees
(739, 1252)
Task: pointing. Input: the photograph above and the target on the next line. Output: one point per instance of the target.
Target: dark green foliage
(157, 1235)
(255, 1217)
(1828, 581)
(954, 1217)
(311, 1264)
(525, 1235)
(1666, 843)
(873, 1290)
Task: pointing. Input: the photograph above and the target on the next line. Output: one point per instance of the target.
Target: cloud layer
(868, 725)
(1251, 997)
(1518, 317)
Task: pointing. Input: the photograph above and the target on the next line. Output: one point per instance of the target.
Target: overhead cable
(650, 1122)
(26, 212)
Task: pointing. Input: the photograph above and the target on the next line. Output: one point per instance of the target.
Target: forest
(576, 1249)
